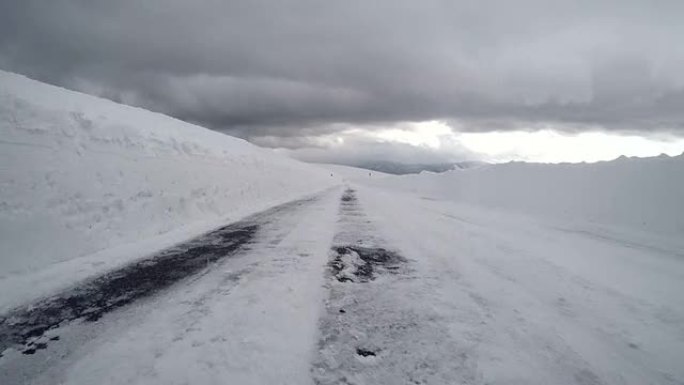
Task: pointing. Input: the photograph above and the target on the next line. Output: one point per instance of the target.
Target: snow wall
(79, 174)
(644, 194)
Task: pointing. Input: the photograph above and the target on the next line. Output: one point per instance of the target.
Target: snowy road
(514, 300)
(368, 286)
(248, 318)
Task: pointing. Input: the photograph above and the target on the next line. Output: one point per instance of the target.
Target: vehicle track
(369, 332)
(25, 327)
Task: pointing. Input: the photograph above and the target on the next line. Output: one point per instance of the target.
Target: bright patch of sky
(547, 145)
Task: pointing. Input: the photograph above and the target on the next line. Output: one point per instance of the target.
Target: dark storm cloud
(269, 68)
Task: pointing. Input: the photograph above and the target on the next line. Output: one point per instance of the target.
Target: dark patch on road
(29, 351)
(363, 264)
(349, 195)
(365, 353)
(92, 299)
(32, 348)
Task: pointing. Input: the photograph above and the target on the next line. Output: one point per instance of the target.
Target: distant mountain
(469, 164)
(412, 168)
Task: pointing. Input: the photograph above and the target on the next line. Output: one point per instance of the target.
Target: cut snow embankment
(85, 181)
(646, 195)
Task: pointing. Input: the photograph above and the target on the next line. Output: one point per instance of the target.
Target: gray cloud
(288, 68)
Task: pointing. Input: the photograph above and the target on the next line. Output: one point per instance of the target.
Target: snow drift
(79, 174)
(643, 194)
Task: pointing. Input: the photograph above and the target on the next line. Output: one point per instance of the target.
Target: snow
(504, 274)
(248, 319)
(518, 273)
(514, 299)
(640, 194)
(86, 184)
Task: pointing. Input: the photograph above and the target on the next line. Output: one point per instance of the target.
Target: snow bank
(79, 174)
(645, 194)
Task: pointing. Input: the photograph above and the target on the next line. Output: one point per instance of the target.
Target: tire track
(25, 328)
(378, 325)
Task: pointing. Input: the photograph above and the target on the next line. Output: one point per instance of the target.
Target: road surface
(363, 286)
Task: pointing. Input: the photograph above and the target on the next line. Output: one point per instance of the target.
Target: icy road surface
(367, 286)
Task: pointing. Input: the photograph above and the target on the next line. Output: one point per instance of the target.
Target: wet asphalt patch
(357, 261)
(364, 323)
(348, 195)
(92, 299)
(363, 264)
(364, 352)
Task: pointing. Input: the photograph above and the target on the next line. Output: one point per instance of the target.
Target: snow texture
(494, 297)
(507, 274)
(249, 318)
(81, 177)
(641, 194)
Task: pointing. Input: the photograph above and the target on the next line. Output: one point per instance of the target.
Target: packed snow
(87, 184)
(503, 274)
(515, 299)
(641, 194)
(249, 319)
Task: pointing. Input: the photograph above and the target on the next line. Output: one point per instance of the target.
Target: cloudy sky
(411, 81)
